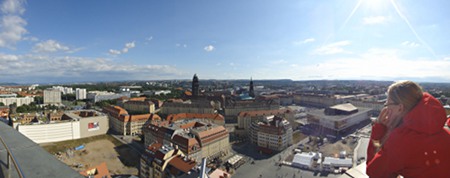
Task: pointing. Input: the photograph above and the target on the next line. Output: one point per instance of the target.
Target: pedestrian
(408, 138)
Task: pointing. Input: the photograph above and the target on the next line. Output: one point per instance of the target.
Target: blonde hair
(407, 93)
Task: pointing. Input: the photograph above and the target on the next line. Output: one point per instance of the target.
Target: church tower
(195, 86)
(251, 92)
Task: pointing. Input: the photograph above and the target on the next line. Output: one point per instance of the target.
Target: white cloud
(374, 20)
(209, 48)
(8, 57)
(308, 40)
(127, 47)
(49, 46)
(41, 67)
(12, 28)
(410, 44)
(150, 38)
(12, 7)
(333, 48)
(378, 64)
(130, 45)
(12, 25)
(114, 52)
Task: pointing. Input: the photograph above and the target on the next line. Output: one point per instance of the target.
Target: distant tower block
(195, 85)
(251, 91)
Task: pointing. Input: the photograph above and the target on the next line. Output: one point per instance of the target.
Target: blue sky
(110, 40)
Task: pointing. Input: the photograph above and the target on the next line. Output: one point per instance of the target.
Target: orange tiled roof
(182, 165)
(139, 117)
(187, 93)
(219, 173)
(154, 147)
(211, 131)
(100, 171)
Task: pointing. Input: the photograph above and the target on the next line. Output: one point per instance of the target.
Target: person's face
(394, 110)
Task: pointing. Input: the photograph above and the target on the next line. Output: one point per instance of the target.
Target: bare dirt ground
(119, 159)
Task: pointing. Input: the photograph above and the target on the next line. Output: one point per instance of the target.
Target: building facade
(97, 96)
(337, 119)
(19, 101)
(139, 106)
(80, 93)
(73, 125)
(52, 96)
(123, 123)
(274, 133)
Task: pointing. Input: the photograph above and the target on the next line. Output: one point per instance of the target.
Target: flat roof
(344, 107)
(321, 113)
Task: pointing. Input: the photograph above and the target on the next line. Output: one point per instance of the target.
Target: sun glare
(375, 4)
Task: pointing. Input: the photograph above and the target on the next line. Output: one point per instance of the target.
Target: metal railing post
(13, 160)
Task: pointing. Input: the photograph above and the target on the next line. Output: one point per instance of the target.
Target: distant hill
(8, 84)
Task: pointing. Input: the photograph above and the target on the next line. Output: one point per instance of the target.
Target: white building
(19, 101)
(52, 96)
(306, 160)
(75, 125)
(80, 93)
(97, 96)
(331, 163)
(64, 90)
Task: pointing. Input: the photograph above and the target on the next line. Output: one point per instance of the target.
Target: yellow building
(140, 107)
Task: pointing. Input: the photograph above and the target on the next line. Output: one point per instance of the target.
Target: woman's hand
(384, 116)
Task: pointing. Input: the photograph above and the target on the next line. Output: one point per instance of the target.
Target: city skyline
(81, 41)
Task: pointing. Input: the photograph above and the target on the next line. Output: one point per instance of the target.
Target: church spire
(195, 85)
(251, 92)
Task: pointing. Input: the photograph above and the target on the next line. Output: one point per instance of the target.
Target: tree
(2, 104)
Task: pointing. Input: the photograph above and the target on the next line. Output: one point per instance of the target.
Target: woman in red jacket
(409, 138)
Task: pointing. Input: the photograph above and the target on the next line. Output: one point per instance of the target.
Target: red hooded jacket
(419, 147)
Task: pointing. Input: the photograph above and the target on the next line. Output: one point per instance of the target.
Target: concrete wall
(98, 129)
(55, 132)
(43, 133)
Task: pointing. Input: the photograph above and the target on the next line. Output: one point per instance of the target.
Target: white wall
(43, 133)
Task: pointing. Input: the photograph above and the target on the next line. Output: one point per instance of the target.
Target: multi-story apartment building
(196, 138)
(80, 93)
(274, 133)
(52, 96)
(160, 161)
(97, 96)
(64, 90)
(19, 101)
(126, 124)
(140, 107)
